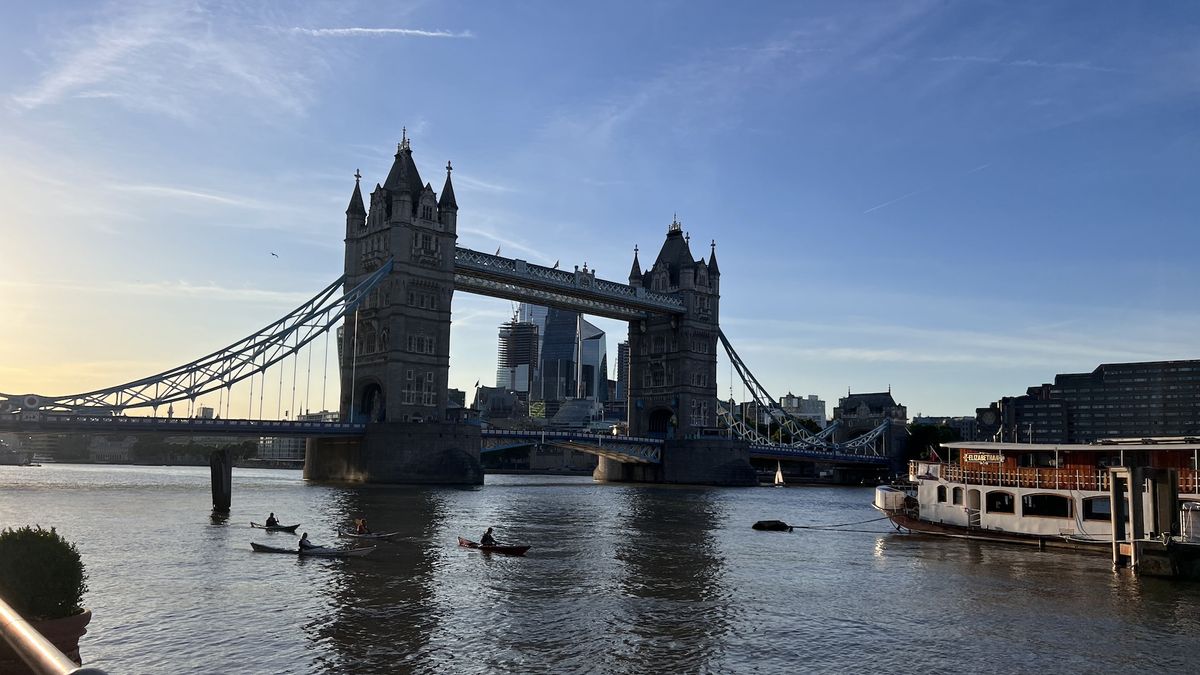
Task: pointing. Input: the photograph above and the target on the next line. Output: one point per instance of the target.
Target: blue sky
(956, 199)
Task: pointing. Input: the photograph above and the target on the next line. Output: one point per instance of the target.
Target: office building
(517, 357)
(808, 408)
(1116, 400)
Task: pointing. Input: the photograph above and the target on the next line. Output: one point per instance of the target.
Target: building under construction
(517, 357)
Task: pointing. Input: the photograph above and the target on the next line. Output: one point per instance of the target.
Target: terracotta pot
(63, 633)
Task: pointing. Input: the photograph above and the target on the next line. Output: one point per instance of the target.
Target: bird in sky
(274, 254)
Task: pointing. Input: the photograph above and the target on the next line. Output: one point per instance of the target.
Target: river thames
(620, 579)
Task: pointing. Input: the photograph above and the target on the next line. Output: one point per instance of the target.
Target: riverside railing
(42, 657)
(1096, 480)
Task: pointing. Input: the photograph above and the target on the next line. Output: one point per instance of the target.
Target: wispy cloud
(505, 242)
(167, 289)
(213, 197)
(893, 201)
(171, 59)
(376, 32)
(1028, 63)
(902, 197)
(479, 184)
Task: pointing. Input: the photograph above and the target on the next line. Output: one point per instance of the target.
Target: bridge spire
(404, 177)
(356, 207)
(447, 202)
(635, 272)
(712, 259)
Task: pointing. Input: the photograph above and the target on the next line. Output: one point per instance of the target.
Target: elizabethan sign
(983, 457)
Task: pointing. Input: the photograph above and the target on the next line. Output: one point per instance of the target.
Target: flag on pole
(933, 454)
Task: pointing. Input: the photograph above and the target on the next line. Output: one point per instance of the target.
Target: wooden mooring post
(221, 464)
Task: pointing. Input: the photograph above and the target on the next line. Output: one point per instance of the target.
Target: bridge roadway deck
(623, 448)
(759, 451)
(180, 425)
(633, 449)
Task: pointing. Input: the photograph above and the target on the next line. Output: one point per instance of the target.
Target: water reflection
(676, 609)
(381, 607)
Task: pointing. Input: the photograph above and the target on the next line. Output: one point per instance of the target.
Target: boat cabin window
(1046, 506)
(1097, 508)
(1000, 502)
(1042, 460)
(958, 496)
(941, 493)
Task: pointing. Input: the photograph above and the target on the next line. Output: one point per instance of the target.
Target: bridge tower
(673, 374)
(673, 359)
(395, 358)
(395, 350)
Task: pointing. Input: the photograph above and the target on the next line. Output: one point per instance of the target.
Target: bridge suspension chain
(867, 444)
(241, 360)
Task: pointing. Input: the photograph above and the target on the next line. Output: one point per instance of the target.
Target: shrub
(41, 574)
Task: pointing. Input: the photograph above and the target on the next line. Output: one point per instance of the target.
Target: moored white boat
(1044, 494)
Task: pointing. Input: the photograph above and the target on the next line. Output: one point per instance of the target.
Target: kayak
(370, 535)
(277, 528)
(496, 548)
(318, 552)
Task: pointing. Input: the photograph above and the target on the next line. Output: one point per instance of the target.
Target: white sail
(778, 474)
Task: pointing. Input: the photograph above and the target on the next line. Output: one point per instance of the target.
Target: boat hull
(276, 528)
(904, 520)
(503, 550)
(380, 536)
(319, 552)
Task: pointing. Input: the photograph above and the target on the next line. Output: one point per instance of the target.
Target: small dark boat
(496, 548)
(772, 526)
(378, 536)
(277, 528)
(316, 552)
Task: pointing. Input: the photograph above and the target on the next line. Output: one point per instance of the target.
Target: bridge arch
(661, 423)
(372, 402)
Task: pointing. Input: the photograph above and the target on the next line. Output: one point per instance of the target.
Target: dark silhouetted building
(1116, 400)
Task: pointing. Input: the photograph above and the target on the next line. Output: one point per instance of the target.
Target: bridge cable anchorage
(242, 360)
(802, 441)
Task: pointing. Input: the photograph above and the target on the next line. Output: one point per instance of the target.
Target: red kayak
(496, 548)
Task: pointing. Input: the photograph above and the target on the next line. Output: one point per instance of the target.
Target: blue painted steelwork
(50, 422)
(219, 370)
(581, 291)
(632, 449)
(758, 451)
(869, 448)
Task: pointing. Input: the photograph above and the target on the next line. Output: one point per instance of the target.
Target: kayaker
(361, 526)
(487, 539)
(305, 543)
(271, 521)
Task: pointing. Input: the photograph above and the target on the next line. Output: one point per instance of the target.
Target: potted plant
(42, 579)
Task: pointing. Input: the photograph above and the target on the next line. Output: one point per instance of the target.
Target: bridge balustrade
(1049, 478)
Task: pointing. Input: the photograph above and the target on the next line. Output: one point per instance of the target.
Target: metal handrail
(42, 657)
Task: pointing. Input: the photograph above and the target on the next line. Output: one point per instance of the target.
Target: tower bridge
(402, 266)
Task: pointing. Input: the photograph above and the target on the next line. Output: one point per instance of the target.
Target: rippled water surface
(620, 579)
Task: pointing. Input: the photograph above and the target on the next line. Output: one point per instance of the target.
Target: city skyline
(950, 201)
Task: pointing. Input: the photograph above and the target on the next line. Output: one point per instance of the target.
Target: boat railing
(1095, 480)
(38, 653)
